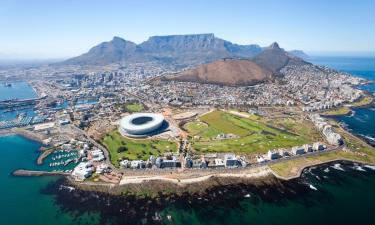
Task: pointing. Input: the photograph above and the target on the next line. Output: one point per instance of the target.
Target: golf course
(252, 134)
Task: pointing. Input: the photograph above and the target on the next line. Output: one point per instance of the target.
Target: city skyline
(62, 29)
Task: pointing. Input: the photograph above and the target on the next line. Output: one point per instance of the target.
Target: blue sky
(63, 28)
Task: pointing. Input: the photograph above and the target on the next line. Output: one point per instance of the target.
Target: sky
(65, 28)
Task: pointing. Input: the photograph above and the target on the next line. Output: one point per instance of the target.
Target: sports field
(256, 134)
(120, 147)
(134, 107)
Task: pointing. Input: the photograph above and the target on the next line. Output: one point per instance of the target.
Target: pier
(5, 104)
(33, 173)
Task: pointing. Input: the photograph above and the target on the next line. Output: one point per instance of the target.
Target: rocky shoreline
(127, 207)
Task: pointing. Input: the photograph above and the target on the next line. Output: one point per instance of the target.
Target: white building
(308, 148)
(260, 159)
(102, 168)
(97, 155)
(137, 164)
(83, 170)
(273, 154)
(230, 161)
(332, 137)
(298, 150)
(124, 163)
(317, 146)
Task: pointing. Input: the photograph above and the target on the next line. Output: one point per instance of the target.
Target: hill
(226, 72)
(274, 58)
(236, 72)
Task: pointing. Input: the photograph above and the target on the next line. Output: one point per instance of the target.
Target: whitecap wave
(360, 120)
(359, 168)
(337, 166)
(313, 187)
(369, 137)
(370, 167)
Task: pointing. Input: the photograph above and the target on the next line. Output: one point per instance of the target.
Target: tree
(122, 149)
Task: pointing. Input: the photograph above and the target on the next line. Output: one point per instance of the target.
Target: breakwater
(34, 173)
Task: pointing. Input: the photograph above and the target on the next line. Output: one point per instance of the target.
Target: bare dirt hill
(229, 72)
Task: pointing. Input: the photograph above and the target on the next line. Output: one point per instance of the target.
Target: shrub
(122, 149)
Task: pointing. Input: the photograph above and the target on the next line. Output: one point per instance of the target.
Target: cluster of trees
(122, 149)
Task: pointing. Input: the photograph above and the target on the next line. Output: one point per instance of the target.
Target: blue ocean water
(21, 202)
(359, 66)
(18, 90)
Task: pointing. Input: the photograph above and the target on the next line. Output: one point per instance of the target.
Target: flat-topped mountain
(179, 49)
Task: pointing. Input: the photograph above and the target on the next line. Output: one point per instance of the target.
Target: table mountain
(179, 49)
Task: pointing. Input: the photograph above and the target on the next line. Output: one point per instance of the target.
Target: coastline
(175, 178)
(346, 110)
(22, 132)
(153, 185)
(155, 196)
(147, 204)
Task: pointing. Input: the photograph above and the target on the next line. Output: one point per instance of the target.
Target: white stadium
(140, 124)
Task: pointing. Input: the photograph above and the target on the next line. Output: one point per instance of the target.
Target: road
(96, 144)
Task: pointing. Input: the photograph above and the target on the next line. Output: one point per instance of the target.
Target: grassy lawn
(136, 149)
(195, 127)
(337, 111)
(360, 151)
(363, 101)
(256, 135)
(134, 107)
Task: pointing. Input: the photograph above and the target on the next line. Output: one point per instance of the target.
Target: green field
(134, 107)
(135, 149)
(337, 111)
(256, 135)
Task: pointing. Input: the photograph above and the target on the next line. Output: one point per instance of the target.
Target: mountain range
(181, 50)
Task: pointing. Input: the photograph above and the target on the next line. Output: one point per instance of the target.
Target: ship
(6, 84)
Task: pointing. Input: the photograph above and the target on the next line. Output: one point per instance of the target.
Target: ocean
(339, 194)
(18, 90)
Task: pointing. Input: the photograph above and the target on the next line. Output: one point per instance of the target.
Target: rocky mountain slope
(263, 67)
(179, 49)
